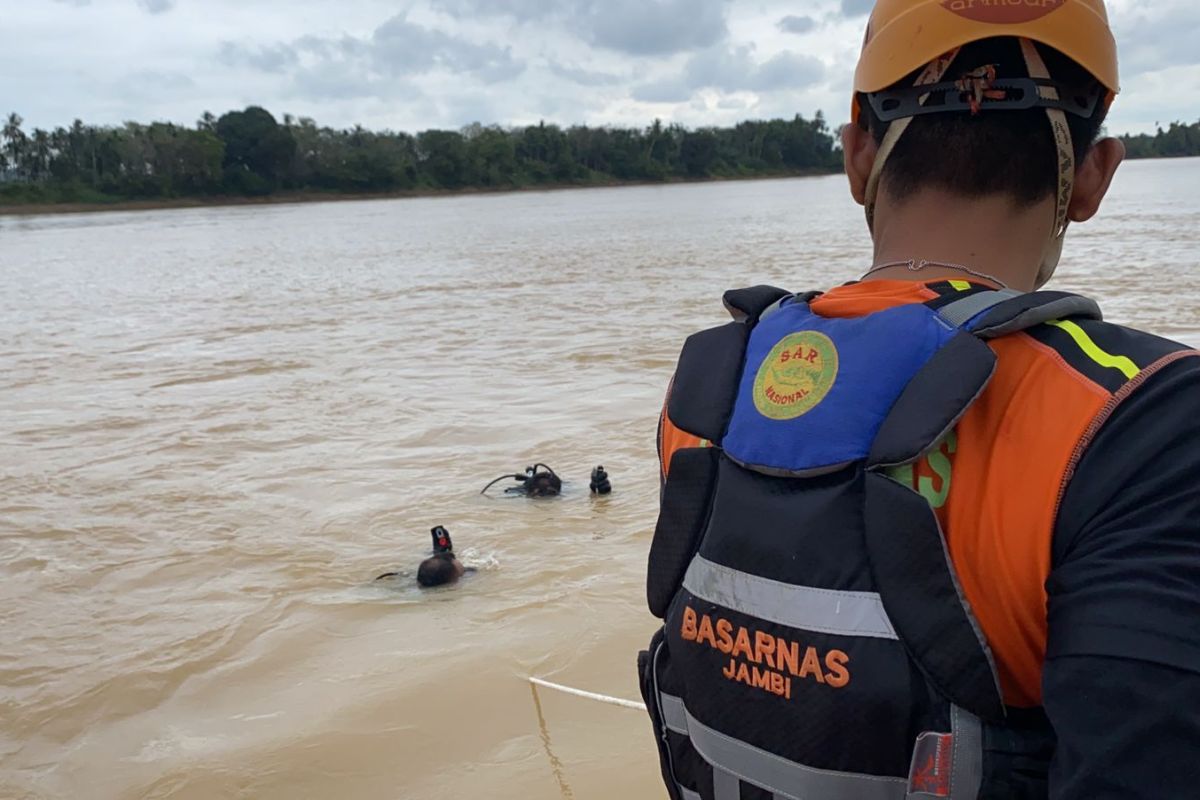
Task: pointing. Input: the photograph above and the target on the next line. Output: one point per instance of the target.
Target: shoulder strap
(748, 305)
(992, 314)
(959, 312)
(710, 366)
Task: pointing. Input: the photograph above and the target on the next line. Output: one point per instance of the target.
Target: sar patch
(796, 376)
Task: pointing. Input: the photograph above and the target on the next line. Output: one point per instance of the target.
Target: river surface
(218, 425)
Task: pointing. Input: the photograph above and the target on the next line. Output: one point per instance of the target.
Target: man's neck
(990, 236)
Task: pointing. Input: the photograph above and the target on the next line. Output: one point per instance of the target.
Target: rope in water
(599, 698)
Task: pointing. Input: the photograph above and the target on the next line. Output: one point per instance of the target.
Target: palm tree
(76, 138)
(92, 140)
(16, 142)
(41, 154)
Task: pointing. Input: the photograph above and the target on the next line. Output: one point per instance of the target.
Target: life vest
(816, 642)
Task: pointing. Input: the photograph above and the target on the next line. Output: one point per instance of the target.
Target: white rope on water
(599, 698)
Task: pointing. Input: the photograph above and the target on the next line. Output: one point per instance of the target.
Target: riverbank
(291, 198)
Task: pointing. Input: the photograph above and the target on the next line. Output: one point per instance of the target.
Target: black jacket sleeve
(1122, 675)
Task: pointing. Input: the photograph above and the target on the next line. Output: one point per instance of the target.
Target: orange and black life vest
(822, 638)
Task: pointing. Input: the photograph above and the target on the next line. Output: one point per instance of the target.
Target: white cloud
(633, 27)
(415, 64)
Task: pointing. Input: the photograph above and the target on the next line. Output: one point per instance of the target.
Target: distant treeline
(250, 153)
(1177, 141)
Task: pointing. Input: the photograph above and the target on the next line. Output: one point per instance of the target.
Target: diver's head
(600, 484)
(439, 570)
(542, 484)
(538, 481)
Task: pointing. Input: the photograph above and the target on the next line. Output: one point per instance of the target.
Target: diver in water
(440, 569)
(600, 484)
(538, 481)
(443, 567)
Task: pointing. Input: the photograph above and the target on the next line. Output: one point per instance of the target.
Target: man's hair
(437, 571)
(997, 151)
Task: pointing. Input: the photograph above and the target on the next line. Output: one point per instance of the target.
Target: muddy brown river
(218, 425)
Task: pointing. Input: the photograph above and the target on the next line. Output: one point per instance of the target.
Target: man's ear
(859, 151)
(1093, 177)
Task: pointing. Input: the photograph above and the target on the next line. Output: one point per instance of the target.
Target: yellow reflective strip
(1093, 351)
(961, 286)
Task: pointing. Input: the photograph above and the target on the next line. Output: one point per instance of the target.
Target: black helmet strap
(972, 94)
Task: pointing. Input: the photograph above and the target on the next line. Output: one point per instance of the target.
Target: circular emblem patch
(796, 376)
(1003, 12)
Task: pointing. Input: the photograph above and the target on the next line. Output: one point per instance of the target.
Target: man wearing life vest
(936, 533)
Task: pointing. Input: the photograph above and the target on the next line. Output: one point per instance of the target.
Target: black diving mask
(441, 540)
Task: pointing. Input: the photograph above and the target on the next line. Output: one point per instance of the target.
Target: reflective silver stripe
(966, 778)
(960, 312)
(733, 760)
(676, 720)
(787, 780)
(1055, 309)
(672, 710)
(674, 714)
(819, 610)
(784, 778)
(726, 786)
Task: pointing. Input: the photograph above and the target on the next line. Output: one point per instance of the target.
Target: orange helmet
(905, 35)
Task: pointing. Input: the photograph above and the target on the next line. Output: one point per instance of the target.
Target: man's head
(994, 151)
(439, 570)
(982, 99)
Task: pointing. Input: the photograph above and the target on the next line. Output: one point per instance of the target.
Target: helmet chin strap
(1065, 150)
(933, 73)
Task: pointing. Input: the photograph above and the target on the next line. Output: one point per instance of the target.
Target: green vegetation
(250, 154)
(1177, 141)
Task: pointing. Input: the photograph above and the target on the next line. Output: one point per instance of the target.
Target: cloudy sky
(415, 64)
